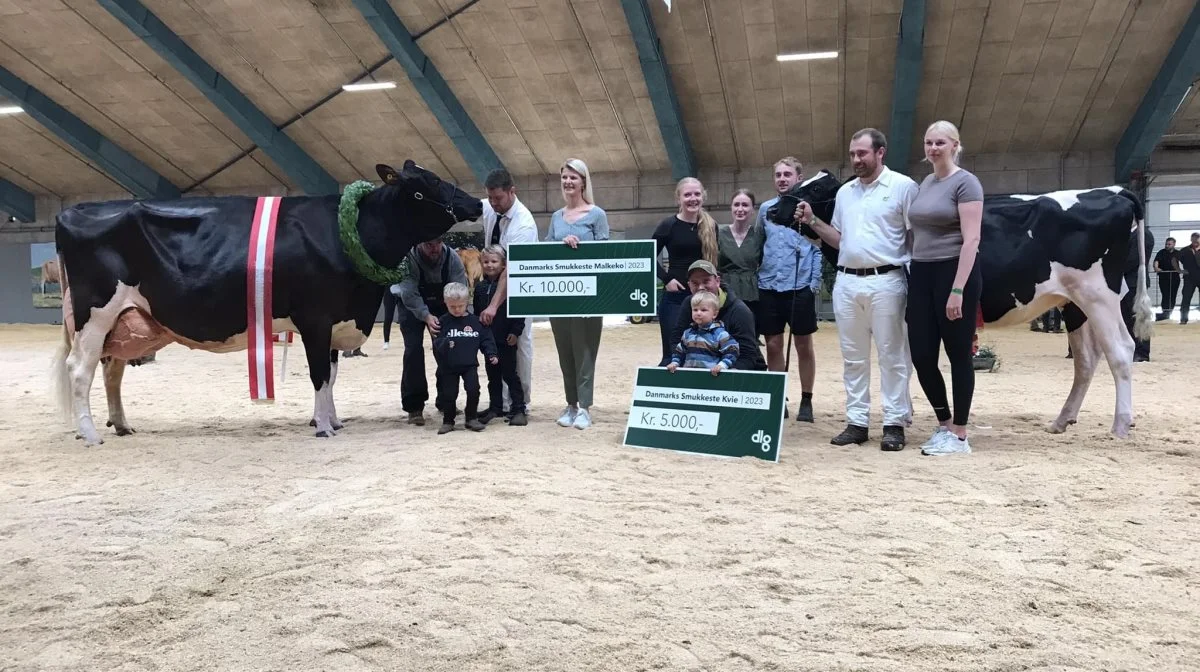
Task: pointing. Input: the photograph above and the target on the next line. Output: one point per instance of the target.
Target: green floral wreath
(352, 244)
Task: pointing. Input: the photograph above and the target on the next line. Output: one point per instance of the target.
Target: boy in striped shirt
(705, 344)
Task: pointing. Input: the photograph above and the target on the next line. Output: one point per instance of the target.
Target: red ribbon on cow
(260, 351)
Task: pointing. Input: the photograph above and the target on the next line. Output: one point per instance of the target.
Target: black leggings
(929, 287)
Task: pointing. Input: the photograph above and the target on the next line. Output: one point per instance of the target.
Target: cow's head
(432, 204)
(820, 191)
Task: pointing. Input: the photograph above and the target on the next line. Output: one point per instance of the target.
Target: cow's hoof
(312, 423)
(124, 431)
(325, 433)
(1121, 427)
(337, 425)
(1059, 426)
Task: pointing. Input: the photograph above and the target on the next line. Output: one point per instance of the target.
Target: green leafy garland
(352, 244)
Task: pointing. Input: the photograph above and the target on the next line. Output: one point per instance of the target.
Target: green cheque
(735, 414)
(607, 277)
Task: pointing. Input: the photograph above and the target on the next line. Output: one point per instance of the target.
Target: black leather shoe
(851, 434)
(893, 438)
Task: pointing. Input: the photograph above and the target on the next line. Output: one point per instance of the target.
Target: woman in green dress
(740, 250)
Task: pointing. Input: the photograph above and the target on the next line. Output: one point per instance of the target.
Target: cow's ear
(387, 173)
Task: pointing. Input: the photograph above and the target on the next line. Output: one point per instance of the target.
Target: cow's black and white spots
(138, 275)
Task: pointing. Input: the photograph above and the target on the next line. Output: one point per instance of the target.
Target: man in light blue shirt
(789, 280)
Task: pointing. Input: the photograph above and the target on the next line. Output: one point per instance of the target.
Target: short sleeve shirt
(937, 230)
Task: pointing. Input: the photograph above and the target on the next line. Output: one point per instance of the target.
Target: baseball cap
(702, 265)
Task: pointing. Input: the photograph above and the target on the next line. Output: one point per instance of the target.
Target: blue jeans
(668, 316)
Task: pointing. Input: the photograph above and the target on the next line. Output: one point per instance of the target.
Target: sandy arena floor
(223, 536)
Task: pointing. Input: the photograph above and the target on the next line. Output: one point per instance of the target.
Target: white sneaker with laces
(938, 434)
(568, 416)
(583, 419)
(386, 345)
(949, 445)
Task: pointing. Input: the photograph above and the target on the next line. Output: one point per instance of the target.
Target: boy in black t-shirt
(456, 348)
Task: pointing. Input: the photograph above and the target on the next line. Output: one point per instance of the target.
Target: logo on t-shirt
(465, 332)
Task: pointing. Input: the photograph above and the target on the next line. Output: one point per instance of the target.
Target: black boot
(851, 434)
(893, 438)
(805, 412)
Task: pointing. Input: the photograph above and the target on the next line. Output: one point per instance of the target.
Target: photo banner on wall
(44, 277)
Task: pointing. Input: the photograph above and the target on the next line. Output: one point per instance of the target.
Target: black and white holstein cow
(139, 275)
(1063, 249)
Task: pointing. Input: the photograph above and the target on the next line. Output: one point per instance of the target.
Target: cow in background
(50, 274)
(470, 260)
(1065, 249)
(138, 275)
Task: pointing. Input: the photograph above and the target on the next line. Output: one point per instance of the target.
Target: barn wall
(635, 203)
(16, 300)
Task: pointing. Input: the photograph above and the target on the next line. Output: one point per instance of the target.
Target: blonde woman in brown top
(944, 285)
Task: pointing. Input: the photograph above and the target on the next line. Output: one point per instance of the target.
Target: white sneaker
(583, 419)
(385, 345)
(568, 416)
(949, 445)
(938, 434)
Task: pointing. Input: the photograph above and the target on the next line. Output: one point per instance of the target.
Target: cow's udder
(135, 335)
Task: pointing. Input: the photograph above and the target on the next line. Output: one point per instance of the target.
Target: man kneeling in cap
(732, 311)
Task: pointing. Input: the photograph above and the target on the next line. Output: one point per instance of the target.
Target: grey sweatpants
(577, 340)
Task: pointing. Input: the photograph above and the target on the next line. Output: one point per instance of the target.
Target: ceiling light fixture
(11, 109)
(811, 56)
(368, 86)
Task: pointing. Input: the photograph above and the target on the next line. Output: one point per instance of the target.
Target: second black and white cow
(1063, 249)
(139, 275)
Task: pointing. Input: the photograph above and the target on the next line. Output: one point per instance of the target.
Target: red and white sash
(259, 277)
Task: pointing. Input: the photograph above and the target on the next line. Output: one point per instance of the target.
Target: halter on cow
(139, 275)
(1061, 249)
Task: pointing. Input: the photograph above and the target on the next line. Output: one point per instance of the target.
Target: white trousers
(871, 308)
(524, 363)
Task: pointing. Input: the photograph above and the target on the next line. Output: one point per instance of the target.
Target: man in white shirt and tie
(870, 228)
(507, 220)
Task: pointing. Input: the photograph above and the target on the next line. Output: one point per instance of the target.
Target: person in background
(432, 266)
(577, 339)
(788, 283)
(870, 229)
(688, 235)
(1189, 267)
(1166, 266)
(456, 347)
(944, 285)
(705, 344)
(506, 220)
(740, 250)
(506, 331)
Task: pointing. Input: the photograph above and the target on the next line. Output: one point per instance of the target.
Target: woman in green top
(740, 250)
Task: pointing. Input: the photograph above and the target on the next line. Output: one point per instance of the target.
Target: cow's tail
(1143, 310)
(59, 373)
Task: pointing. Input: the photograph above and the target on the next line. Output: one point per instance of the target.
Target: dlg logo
(640, 297)
(763, 440)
